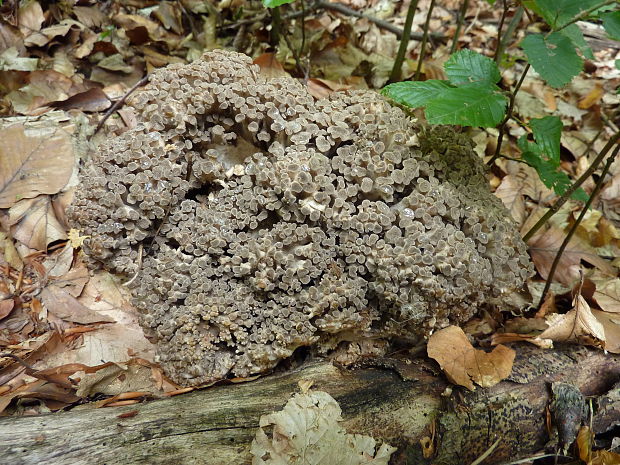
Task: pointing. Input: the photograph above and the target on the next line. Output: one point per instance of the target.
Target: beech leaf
(33, 164)
(463, 364)
(307, 432)
(34, 223)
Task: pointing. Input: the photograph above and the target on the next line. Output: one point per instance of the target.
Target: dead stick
(120, 102)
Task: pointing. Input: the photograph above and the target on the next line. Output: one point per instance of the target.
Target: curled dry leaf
(463, 364)
(307, 432)
(34, 223)
(33, 164)
(578, 325)
(544, 247)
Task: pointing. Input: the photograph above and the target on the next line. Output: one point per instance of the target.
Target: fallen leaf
(607, 295)
(592, 98)
(91, 100)
(578, 325)
(611, 326)
(544, 247)
(30, 18)
(510, 192)
(307, 432)
(66, 307)
(6, 306)
(11, 61)
(462, 363)
(33, 164)
(34, 224)
(118, 378)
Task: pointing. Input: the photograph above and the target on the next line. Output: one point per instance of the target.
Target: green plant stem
(511, 104)
(498, 55)
(276, 25)
(459, 26)
(424, 40)
(566, 195)
(573, 228)
(404, 41)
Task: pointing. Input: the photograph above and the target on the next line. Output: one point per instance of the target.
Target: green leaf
(611, 23)
(275, 3)
(576, 37)
(558, 13)
(467, 106)
(415, 94)
(548, 170)
(467, 66)
(547, 132)
(554, 57)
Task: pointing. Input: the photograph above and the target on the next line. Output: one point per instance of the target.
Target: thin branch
(512, 27)
(564, 197)
(459, 26)
(424, 40)
(404, 41)
(120, 102)
(498, 55)
(573, 228)
(502, 127)
(379, 22)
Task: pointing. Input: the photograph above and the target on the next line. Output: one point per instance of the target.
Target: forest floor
(68, 337)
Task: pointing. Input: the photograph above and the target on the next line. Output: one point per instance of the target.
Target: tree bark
(396, 403)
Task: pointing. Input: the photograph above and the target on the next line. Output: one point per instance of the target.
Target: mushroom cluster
(260, 220)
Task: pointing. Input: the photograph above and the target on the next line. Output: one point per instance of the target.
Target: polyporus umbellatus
(268, 220)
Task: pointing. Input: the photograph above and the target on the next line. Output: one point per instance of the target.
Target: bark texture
(395, 402)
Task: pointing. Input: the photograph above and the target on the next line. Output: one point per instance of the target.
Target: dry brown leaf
(593, 97)
(611, 325)
(270, 67)
(6, 306)
(578, 325)
(544, 247)
(510, 192)
(607, 295)
(462, 363)
(30, 18)
(34, 224)
(119, 378)
(62, 304)
(91, 100)
(33, 164)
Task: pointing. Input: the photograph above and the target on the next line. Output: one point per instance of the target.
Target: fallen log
(396, 402)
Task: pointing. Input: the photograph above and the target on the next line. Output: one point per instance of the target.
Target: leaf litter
(79, 334)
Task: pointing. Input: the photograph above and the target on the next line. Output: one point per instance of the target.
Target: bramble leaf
(275, 3)
(611, 23)
(467, 67)
(547, 132)
(553, 57)
(467, 106)
(415, 94)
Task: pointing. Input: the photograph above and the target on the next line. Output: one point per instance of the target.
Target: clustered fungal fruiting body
(270, 220)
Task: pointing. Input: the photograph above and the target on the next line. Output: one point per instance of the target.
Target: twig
(18, 360)
(459, 25)
(511, 105)
(498, 55)
(120, 102)
(379, 22)
(488, 452)
(573, 228)
(535, 457)
(135, 276)
(566, 195)
(512, 26)
(404, 41)
(424, 40)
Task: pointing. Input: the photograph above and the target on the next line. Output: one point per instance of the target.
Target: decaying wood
(395, 403)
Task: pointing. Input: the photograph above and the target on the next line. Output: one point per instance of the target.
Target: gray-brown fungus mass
(269, 220)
